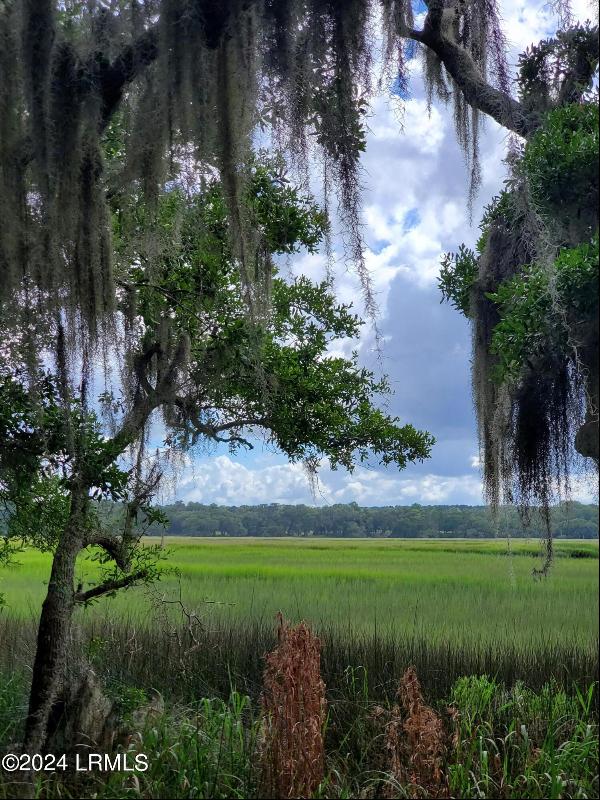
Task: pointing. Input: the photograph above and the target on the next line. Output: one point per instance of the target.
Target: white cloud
(399, 490)
(584, 488)
(228, 482)
(225, 481)
(426, 127)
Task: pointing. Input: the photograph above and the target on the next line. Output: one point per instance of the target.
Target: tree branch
(114, 546)
(192, 296)
(140, 364)
(110, 586)
(259, 422)
(145, 489)
(148, 398)
(131, 427)
(126, 67)
(212, 431)
(465, 73)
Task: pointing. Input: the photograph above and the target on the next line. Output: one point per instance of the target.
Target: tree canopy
(105, 104)
(347, 520)
(191, 82)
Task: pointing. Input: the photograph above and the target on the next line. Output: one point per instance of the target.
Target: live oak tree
(531, 289)
(213, 373)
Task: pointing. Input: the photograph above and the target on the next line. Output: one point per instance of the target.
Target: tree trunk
(53, 635)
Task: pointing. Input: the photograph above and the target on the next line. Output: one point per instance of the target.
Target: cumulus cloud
(226, 481)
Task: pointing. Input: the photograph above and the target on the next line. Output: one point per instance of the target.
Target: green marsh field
(469, 592)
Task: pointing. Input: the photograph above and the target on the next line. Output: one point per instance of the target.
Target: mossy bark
(54, 631)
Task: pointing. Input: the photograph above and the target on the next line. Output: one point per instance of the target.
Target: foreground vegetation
(494, 740)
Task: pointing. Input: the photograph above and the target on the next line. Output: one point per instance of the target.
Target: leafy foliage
(557, 70)
(560, 159)
(271, 371)
(37, 470)
(458, 273)
(501, 210)
(530, 324)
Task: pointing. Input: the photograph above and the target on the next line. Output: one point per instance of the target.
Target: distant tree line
(571, 520)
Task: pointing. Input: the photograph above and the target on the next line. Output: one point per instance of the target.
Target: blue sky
(415, 209)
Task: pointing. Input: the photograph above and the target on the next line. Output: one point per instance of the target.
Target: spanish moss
(99, 101)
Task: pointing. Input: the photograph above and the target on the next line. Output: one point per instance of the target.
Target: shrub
(416, 742)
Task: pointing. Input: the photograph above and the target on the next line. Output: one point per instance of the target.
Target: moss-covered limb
(532, 297)
(38, 34)
(116, 75)
(437, 35)
(534, 378)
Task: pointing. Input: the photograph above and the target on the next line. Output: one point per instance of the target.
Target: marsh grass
(460, 591)
(130, 653)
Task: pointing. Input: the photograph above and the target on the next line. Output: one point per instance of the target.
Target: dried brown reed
(416, 743)
(293, 703)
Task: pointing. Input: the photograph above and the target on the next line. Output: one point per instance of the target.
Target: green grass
(467, 591)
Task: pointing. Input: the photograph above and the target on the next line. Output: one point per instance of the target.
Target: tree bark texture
(53, 636)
